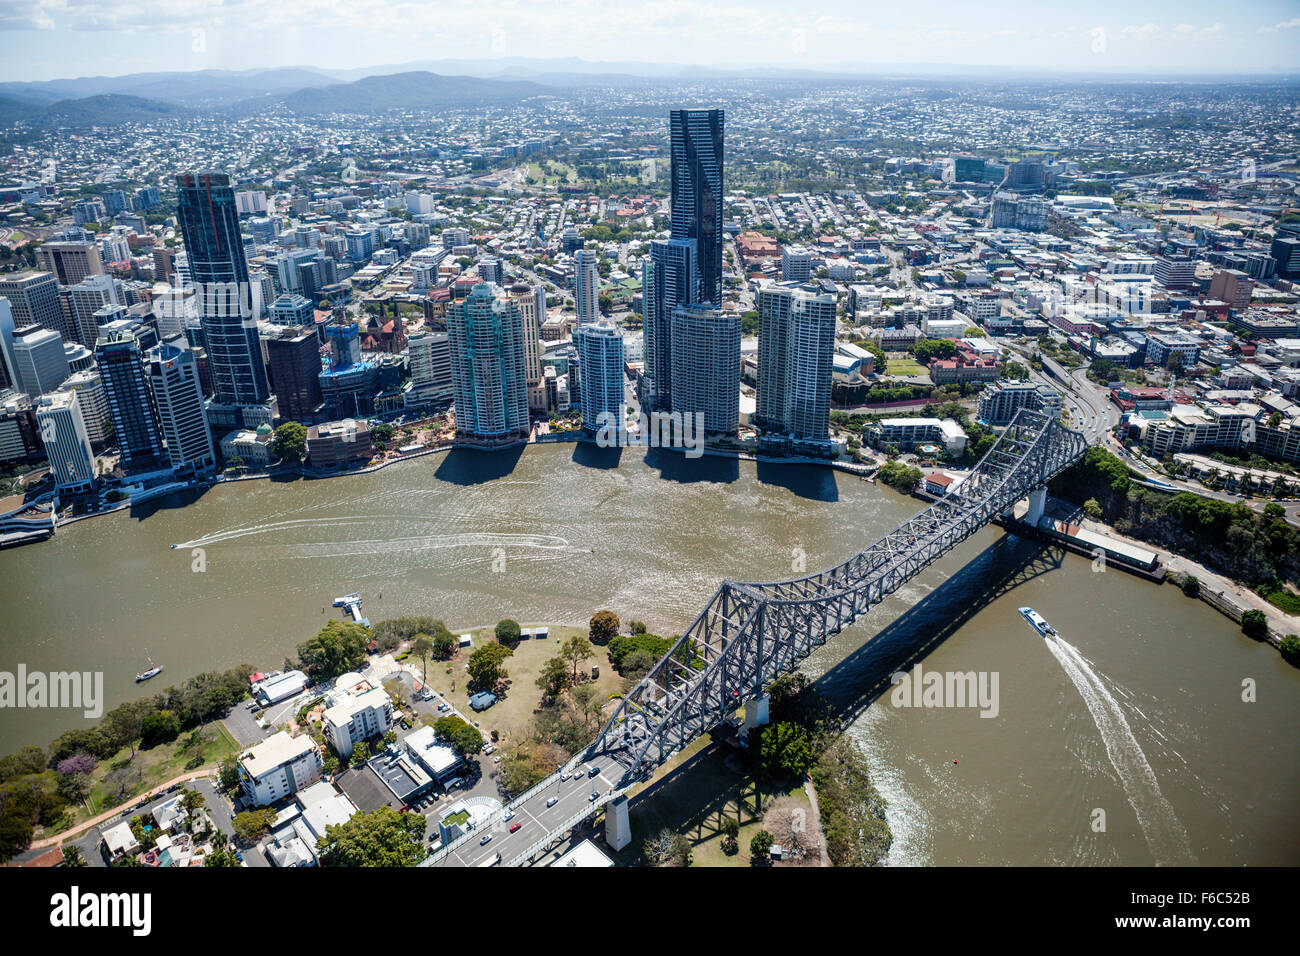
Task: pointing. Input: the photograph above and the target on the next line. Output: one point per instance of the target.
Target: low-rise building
(339, 444)
(278, 767)
(907, 433)
(358, 711)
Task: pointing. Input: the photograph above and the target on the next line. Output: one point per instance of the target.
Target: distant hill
(105, 110)
(418, 90)
(11, 111)
(198, 88)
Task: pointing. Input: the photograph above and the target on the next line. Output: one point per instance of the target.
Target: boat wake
(418, 542)
(1164, 834)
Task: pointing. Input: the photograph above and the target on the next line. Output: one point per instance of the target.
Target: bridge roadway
(749, 634)
(538, 822)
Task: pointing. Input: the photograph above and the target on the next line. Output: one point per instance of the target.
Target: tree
(783, 750)
(360, 753)
(1191, 586)
(508, 633)
(1015, 370)
(1291, 649)
(486, 665)
(444, 645)
(576, 650)
(604, 627)
(554, 677)
(289, 443)
(382, 837)
(667, 848)
(125, 723)
(221, 856)
(339, 647)
(251, 825)
(159, 727)
(1091, 508)
(637, 664)
(730, 835)
(459, 735)
(929, 349)
(228, 775)
(72, 857)
(760, 846)
(1254, 624)
(422, 647)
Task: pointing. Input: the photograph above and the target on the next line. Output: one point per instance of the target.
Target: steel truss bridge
(751, 633)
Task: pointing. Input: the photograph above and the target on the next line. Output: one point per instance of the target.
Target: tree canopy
(382, 837)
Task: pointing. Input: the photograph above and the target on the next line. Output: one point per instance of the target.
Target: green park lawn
(905, 367)
(512, 715)
(150, 768)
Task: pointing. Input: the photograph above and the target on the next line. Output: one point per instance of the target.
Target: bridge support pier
(618, 828)
(1037, 502)
(756, 712)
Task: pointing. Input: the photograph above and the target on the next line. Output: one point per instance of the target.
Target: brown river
(1151, 731)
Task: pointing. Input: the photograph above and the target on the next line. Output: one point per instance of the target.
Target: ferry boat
(347, 599)
(1037, 622)
(153, 670)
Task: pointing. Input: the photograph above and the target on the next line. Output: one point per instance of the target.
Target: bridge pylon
(1037, 503)
(618, 827)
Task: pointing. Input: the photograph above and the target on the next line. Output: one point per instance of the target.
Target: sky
(49, 39)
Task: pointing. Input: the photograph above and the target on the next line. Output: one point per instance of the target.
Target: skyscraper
(670, 279)
(586, 287)
(430, 365)
(174, 382)
(130, 402)
(293, 353)
(214, 252)
(796, 350)
(63, 432)
(70, 262)
(600, 357)
(34, 297)
(39, 362)
(696, 137)
(706, 366)
(489, 378)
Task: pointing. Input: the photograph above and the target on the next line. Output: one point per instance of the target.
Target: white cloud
(1292, 24)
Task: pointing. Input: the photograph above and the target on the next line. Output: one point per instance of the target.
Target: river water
(1125, 742)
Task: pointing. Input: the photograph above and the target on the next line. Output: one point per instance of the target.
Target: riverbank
(1228, 597)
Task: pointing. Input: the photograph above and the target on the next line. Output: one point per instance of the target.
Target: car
(593, 771)
(566, 775)
(487, 838)
(496, 759)
(515, 827)
(592, 797)
(510, 815)
(552, 801)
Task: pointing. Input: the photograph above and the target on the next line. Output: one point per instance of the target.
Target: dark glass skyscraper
(215, 250)
(130, 402)
(697, 192)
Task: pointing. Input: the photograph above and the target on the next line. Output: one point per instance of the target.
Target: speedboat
(1037, 622)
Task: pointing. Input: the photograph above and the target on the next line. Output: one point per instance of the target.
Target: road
(536, 818)
(1093, 413)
